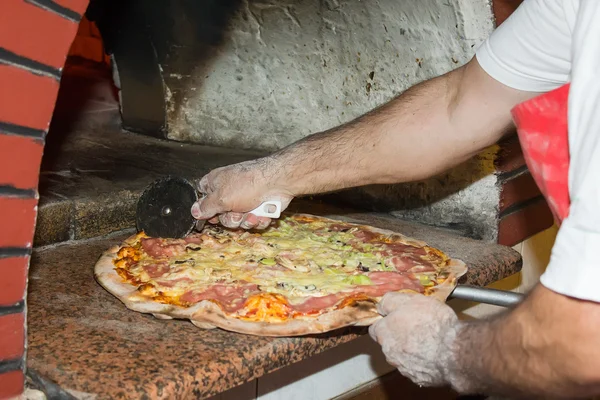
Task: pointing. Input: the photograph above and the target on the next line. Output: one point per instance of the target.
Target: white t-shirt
(543, 45)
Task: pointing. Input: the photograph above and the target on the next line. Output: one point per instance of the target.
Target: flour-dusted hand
(230, 192)
(417, 337)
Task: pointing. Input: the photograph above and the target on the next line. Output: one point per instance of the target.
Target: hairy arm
(548, 346)
(429, 128)
(432, 126)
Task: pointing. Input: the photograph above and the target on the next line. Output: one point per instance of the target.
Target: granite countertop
(85, 340)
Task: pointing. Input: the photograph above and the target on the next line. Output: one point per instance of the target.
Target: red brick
(11, 384)
(14, 280)
(510, 157)
(26, 99)
(18, 221)
(20, 159)
(12, 334)
(524, 223)
(503, 9)
(35, 33)
(517, 190)
(79, 6)
(88, 47)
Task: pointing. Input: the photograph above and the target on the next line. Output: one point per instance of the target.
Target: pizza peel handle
(484, 295)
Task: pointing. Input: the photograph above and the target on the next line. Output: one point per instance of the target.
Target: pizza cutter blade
(164, 208)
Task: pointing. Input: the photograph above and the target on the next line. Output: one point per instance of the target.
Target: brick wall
(35, 36)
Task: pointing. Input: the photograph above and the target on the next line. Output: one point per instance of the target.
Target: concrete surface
(286, 69)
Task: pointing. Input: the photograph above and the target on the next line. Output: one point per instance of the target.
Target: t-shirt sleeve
(531, 50)
(574, 268)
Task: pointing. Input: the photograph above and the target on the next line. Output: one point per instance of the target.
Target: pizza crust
(208, 315)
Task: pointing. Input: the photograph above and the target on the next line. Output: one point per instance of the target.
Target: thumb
(208, 207)
(394, 301)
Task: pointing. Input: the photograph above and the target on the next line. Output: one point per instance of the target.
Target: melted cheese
(267, 307)
(287, 261)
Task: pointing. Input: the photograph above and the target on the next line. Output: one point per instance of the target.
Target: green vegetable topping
(360, 280)
(425, 281)
(268, 261)
(331, 271)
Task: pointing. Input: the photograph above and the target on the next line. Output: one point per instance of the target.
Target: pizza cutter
(484, 295)
(164, 208)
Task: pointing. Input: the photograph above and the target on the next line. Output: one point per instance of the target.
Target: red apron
(543, 132)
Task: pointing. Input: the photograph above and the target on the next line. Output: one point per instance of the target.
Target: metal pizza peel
(164, 208)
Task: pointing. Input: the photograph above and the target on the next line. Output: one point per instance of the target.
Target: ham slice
(159, 248)
(401, 264)
(410, 264)
(401, 248)
(315, 304)
(383, 282)
(388, 282)
(366, 235)
(156, 270)
(423, 268)
(231, 298)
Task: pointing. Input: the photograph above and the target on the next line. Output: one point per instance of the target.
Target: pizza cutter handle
(270, 209)
(494, 297)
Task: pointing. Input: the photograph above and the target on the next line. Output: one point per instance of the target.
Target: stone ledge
(81, 337)
(90, 180)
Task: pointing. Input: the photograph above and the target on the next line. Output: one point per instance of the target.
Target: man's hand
(416, 336)
(548, 346)
(230, 192)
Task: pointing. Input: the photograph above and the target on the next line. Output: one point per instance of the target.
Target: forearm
(392, 143)
(426, 130)
(533, 350)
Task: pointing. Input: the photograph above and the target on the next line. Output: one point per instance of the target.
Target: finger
(393, 301)
(373, 330)
(249, 222)
(205, 184)
(202, 184)
(263, 223)
(231, 219)
(214, 220)
(209, 206)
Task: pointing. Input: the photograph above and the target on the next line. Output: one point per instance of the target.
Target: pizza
(304, 274)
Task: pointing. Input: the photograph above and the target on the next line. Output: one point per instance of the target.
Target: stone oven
(190, 86)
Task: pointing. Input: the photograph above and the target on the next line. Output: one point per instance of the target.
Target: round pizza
(304, 274)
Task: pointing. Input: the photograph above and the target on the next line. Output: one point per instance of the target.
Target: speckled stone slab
(84, 339)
